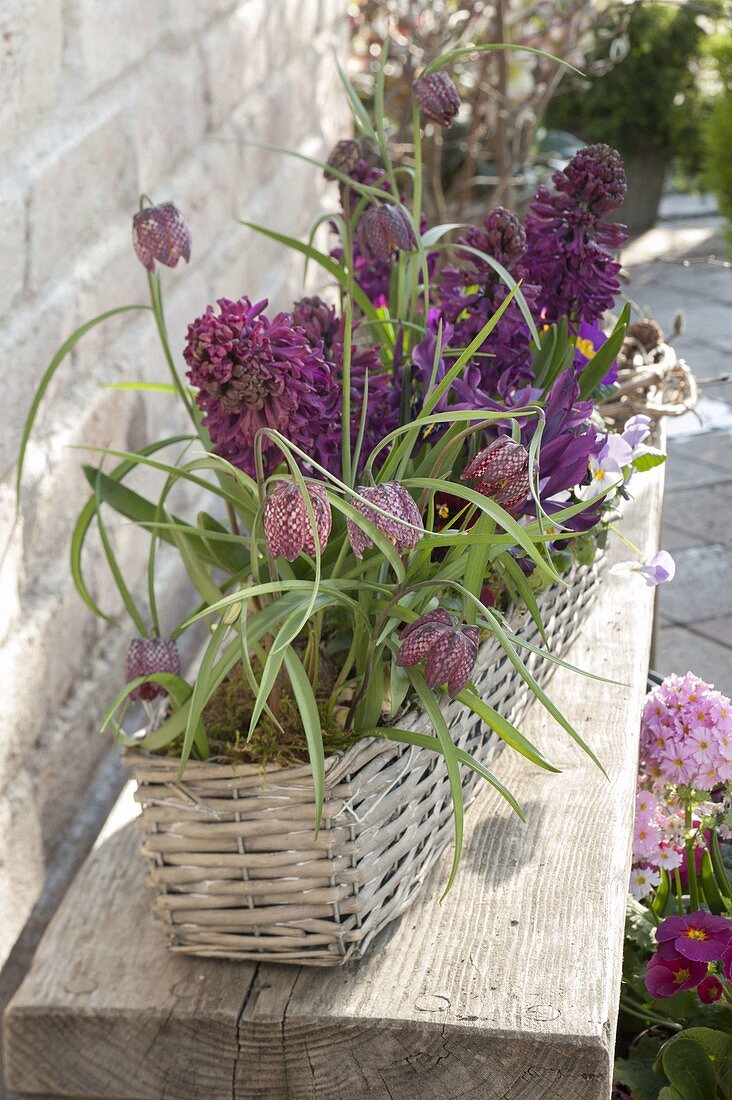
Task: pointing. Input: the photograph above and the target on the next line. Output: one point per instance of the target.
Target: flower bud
(344, 157)
(393, 498)
(438, 98)
(451, 649)
(147, 656)
(160, 233)
(288, 529)
(502, 470)
(384, 230)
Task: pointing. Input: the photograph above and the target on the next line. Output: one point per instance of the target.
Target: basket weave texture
(232, 855)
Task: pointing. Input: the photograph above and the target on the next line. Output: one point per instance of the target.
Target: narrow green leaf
(308, 708)
(601, 362)
(505, 730)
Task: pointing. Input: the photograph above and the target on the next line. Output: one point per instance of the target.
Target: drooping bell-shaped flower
(160, 233)
(438, 98)
(383, 230)
(344, 157)
(147, 656)
(403, 526)
(288, 529)
(451, 649)
(502, 472)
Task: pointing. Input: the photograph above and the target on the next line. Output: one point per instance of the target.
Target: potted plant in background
(403, 488)
(647, 105)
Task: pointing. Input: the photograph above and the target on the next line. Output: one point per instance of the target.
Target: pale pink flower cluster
(686, 741)
(686, 734)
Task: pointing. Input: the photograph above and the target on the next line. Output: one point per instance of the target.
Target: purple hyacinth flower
(288, 529)
(394, 499)
(145, 657)
(699, 936)
(383, 230)
(438, 98)
(665, 977)
(570, 242)
(451, 649)
(160, 233)
(252, 373)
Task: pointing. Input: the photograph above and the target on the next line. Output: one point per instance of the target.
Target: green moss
(228, 715)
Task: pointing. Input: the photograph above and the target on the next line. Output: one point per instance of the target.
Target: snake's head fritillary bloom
(450, 647)
(502, 472)
(344, 157)
(438, 98)
(394, 499)
(147, 656)
(384, 230)
(160, 233)
(288, 529)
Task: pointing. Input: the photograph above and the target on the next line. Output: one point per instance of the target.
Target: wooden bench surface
(509, 989)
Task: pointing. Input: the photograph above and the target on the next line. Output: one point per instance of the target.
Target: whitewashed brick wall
(101, 100)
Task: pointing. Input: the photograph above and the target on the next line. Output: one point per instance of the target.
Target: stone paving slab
(695, 609)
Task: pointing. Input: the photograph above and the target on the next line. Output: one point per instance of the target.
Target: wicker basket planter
(232, 857)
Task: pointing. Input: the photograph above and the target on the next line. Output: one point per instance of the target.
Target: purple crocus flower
(403, 526)
(590, 339)
(288, 529)
(160, 233)
(253, 373)
(145, 657)
(699, 936)
(471, 293)
(570, 243)
(665, 977)
(451, 649)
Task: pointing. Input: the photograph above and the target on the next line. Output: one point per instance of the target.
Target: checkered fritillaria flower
(288, 529)
(392, 497)
(502, 472)
(451, 648)
(382, 231)
(160, 233)
(438, 97)
(147, 656)
(344, 157)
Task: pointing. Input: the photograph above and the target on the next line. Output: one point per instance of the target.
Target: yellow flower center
(681, 976)
(696, 934)
(586, 347)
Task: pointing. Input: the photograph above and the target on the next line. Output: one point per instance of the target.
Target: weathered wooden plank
(506, 990)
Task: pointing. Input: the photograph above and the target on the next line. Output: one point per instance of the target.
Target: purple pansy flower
(451, 649)
(699, 936)
(659, 569)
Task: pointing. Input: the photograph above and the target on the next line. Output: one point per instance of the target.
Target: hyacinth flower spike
(160, 233)
(288, 529)
(449, 646)
(403, 525)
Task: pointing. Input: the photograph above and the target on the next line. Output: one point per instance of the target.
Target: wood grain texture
(506, 991)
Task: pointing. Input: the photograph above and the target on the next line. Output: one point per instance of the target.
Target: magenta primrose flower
(403, 526)
(288, 529)
(438, 98)
(665, 977)
(699, 936)
(160, 233)
(710, 990)
(451, 649)
(145, 657)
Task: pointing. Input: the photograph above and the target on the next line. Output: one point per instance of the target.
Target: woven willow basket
(232, 856)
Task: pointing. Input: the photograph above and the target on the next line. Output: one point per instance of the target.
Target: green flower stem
(156, 300)
(690, 859)
(679, 891)
(651, 1017)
